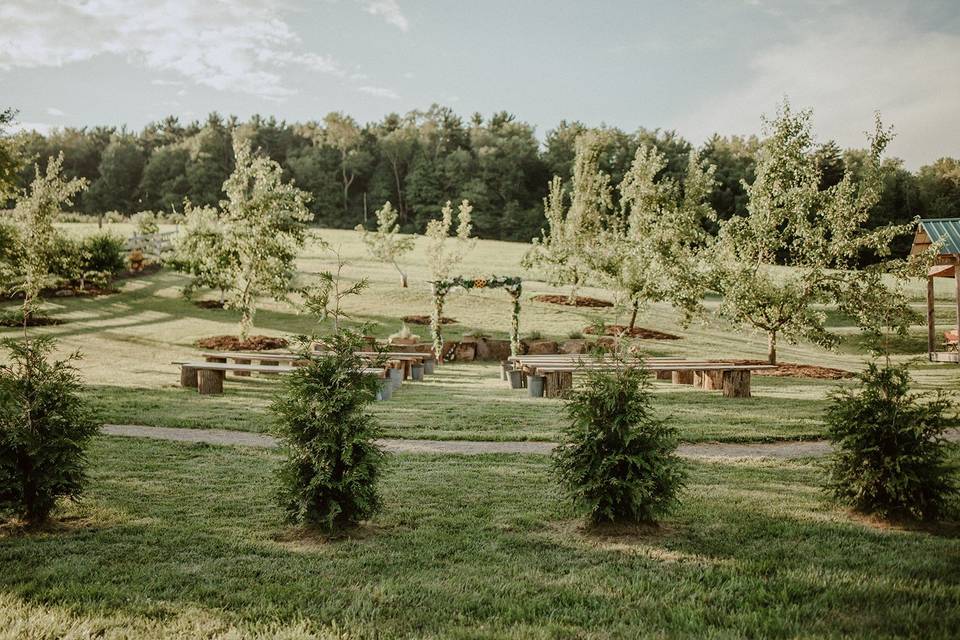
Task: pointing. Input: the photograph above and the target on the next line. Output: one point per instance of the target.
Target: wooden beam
(931, 329)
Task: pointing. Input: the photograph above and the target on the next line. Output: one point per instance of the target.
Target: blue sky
(696, 66)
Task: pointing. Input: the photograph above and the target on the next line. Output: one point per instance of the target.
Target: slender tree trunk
(403, 276)
(633, 317)
(772, 347)
(246, 322)
(400, 208)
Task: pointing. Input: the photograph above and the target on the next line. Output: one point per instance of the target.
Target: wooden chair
(950, 341)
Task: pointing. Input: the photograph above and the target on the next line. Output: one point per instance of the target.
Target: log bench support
(736, 383)
(242, 374)
(709, 380)
(188, 377)
(682, 376)
(210, 382)
(663, 375)
(557, 383)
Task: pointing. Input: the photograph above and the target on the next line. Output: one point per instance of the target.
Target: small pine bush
(890, 456)
(616, 461)
(103, 253)
(44, 428)
(329, 478)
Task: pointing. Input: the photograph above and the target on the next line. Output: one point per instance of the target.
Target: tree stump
(188, 377)
(242, 374)
(709, 380)
(736, 384)
(209, 382)
(557, 383)
(664, 375)
(682, 377)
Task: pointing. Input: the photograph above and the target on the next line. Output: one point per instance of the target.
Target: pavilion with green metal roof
(944, 234)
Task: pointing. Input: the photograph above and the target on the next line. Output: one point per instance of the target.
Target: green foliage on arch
(441, 288)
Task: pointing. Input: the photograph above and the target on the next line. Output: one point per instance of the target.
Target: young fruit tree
(387, 244)
(564, 250)
(797, 248)
(201, 251)
(652, 250)
(261, 229)
(332, 463)
(324, 298)
(35, 212)
(444, 254)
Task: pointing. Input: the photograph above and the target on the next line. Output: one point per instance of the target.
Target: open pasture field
(129, 340)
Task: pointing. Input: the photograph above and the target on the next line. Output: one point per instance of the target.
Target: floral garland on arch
(441, 288)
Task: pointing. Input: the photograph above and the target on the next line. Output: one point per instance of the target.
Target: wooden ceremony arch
(441, 288)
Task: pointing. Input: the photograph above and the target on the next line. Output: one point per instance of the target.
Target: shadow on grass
(468, 544)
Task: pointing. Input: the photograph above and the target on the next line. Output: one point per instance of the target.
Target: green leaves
(386, 244)
(249, 246)
(891, 458)
(820, 233)
(35, 213)
(616, 461)
(44, 428)
(332, 466)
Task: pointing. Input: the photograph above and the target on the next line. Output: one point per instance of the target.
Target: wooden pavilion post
(931, 330)
(956, 280)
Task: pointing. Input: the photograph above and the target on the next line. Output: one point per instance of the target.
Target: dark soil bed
(16, 320)
(580, 301)
(426, 320)
(233, 343)
(636, 332)
(208, 304)
(793, 370)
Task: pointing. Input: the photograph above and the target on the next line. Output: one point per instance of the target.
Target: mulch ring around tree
(636, 332)
(426, 320)
(208, 304)
(579, 301)
(793, 370)
(233, 343)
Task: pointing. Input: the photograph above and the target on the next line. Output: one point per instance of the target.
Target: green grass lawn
(186, 541)
(130, 339)
(470, 402)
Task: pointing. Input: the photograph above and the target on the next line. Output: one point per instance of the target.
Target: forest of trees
(418, 161)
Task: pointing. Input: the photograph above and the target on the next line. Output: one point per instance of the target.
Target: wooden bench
(553, 376)
(406, 362)
(207, 377)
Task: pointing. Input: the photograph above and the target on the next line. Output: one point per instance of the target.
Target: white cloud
(236, 45)
(53, 111)
(845, 73)
(389, 10)
(380, 92)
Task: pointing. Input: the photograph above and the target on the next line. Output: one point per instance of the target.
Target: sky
(695, 66)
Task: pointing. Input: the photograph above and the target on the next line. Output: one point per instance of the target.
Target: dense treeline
(421, 159)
